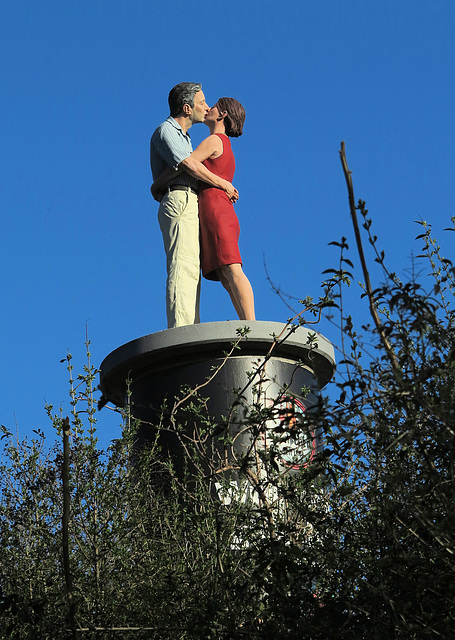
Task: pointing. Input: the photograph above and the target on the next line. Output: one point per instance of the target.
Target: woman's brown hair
(235, 117)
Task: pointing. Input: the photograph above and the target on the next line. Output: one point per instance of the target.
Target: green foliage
(357, 544)
(395, 417)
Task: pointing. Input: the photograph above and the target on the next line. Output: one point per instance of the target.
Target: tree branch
(366, 275)
(65, 524)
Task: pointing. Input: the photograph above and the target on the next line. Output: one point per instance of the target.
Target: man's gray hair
(181, 94)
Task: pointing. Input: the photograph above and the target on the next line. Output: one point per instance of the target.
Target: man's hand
(156, 194)
(232, 192)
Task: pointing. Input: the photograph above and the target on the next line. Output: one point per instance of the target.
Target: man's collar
(175, 124)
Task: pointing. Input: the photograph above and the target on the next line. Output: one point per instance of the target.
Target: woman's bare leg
(239, 288)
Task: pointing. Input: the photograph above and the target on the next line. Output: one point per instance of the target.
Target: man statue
(170, 146)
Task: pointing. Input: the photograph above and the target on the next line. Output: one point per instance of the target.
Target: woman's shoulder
(217, 139)
(225, 140)
(218, 142)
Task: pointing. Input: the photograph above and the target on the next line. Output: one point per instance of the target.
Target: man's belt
(181, 187)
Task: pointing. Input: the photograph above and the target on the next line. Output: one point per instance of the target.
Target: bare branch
(366, 275)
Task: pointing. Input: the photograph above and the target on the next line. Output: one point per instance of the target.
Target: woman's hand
(231, 191)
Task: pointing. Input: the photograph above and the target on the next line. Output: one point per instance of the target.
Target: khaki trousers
(179, 224)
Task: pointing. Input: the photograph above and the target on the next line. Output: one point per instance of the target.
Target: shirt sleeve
(171, 145)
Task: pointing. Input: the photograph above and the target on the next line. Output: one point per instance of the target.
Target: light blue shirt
(169, 146)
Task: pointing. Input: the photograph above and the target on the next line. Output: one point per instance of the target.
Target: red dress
(219, 225)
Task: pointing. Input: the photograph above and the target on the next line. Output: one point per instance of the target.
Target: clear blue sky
(83, 85)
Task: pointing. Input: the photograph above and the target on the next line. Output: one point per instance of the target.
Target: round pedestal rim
(207, 340)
